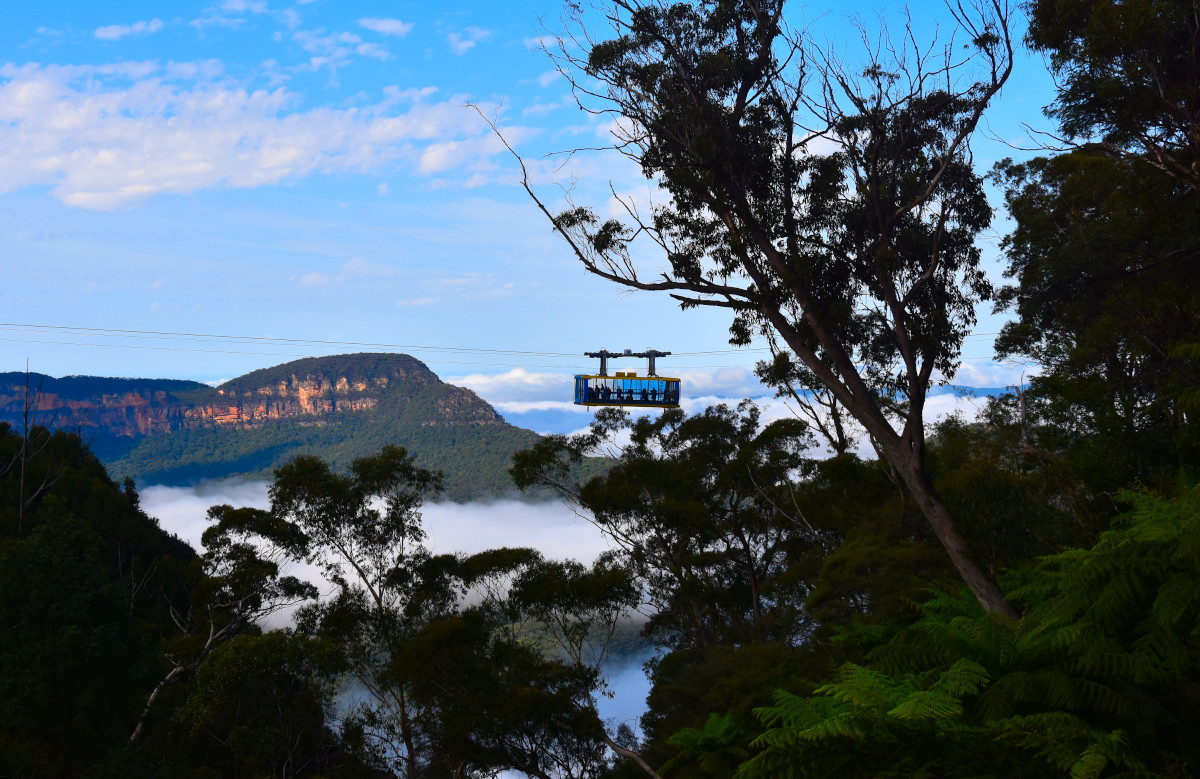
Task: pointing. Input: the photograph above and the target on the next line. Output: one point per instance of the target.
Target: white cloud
(215, 19)
(540, 109)
(549, 77)
(412, 93)
(549, 527)
(416, 302)
(734, 383)
(938, 407)
(238, 6)
(462, 42)
(315, 42)
(217, 15)
(386, 26)
(472, 150)
(315, 279)
(183, 510)
(526, 406)
(469, 280)
(290, 18)
(360, 266)
(372, 50)
(115, 32)
(541, 42)
(466, 528)
(382, 188)
(332, 50)
(985, 373)
(107, 136)
(517, 385)
(520, 390)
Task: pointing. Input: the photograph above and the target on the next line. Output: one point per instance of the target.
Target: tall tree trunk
(140, 728)
(850, 389)
(985, 589)
(406, 735)
(629, 754)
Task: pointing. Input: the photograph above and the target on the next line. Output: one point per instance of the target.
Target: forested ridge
(1015, 595)
(165, 431)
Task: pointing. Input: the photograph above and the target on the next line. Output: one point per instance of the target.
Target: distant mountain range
(165, 431)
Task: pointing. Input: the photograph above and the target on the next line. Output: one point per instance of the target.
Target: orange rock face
(143, 413)
(305, 392)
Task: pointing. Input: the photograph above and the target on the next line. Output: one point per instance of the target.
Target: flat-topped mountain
(163, 431)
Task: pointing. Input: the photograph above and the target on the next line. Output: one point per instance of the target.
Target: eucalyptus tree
(701, 510)
(511, 678)
(261, 705)
(362, 529)
(1126, 76)
(832, 208)
(237, 582)
(1105, 251)
(448, 674)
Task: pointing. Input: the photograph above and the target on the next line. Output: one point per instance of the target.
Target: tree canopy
(832, 211)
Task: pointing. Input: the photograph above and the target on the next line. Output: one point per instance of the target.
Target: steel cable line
(107, 332)
(267, 341)
(435, 361)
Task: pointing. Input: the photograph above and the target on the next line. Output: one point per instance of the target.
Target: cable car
(626, 388)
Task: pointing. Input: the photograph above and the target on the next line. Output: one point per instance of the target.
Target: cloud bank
(549, 527)
(106, 136)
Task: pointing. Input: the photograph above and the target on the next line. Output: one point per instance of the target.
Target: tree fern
(1099, 678)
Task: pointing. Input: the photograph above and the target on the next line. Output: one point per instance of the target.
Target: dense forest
(1013, 595)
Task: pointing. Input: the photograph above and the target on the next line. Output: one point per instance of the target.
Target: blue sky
(310, 170)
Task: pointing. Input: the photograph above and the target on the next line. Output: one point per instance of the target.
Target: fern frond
(927, 705)
(965, 677)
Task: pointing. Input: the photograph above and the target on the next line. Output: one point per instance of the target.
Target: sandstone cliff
(337, 407)
(310, 390)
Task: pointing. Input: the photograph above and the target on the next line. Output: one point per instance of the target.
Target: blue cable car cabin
(627, 389)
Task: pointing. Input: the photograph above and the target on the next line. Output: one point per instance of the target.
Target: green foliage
(709, 510)
(261, 706)
(512, 680)
(87, 586)
(1098, 677)
(857, 255)
(1103, 254)
(73, 661)
(1013, 500)
(710, 87)
(713, 750)
(1126, 73)
(1106, 244)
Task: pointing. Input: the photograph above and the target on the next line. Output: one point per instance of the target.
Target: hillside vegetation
(339, 408)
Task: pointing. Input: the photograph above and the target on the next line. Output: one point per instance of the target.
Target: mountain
(163, 431)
